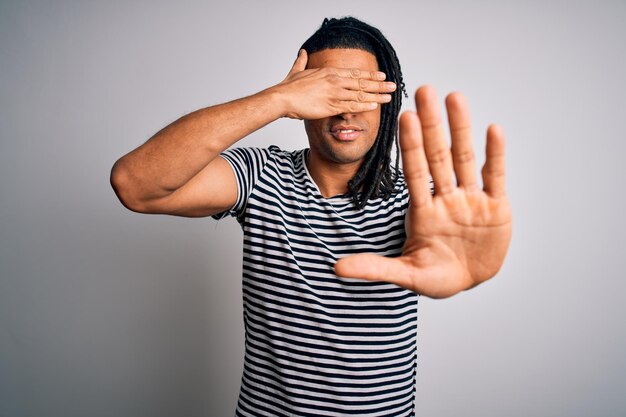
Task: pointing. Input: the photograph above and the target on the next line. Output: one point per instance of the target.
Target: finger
(414, 164)
(494, 170)
(461, 135)
(356, 74)
(355, 107)
(362, 84)
(375, 268)
(363, 97)
(300, 63)
(435, 144)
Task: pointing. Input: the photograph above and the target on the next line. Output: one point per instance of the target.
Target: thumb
(300, 63)
(374, 268)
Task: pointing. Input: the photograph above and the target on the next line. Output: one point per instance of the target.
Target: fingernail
(373, 105)
(391, 85)
(381, 75)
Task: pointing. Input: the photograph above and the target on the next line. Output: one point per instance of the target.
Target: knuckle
(355, 72)
(362, 84)
(464, 156)
(332, 81)
(492, 171)
(327, 72)
(462, 133)
(439, 155)
(353, 107)
(361, 97)
(472, 187)
(334, 106)
(419, 173)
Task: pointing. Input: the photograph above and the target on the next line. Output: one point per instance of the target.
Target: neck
(331, 178)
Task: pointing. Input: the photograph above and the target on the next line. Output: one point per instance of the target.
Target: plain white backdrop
(104, 312)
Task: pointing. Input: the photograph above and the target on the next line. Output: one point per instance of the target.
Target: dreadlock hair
(374, 177)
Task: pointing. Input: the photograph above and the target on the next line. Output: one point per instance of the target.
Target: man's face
(347, 137)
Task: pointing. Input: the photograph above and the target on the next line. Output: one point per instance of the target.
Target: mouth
(345, 133)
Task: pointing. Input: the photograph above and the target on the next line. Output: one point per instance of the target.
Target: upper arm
(211, 191)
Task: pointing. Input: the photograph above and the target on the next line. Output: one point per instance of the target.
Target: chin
(346, 156)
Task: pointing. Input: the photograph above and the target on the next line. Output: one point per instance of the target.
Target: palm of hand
(458, 237)
(454, 243)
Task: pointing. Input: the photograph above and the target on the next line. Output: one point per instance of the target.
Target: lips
(345, 132)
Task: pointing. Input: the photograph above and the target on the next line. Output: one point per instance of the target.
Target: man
(337, 243)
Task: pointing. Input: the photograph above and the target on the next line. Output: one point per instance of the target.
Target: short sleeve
(247, 165)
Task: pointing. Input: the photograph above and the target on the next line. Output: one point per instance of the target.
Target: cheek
(374, 121)
(310, 127)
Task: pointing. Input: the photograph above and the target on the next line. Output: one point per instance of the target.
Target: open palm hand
(458, 237)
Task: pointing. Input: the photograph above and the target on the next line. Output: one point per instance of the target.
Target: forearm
(179, 151)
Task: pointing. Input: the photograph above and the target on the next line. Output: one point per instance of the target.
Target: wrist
(278, 100)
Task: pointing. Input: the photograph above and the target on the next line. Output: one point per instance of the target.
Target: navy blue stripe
(365, 340)
(328, 409)
(327, 309)
(287, 393)
(273, 350)
(347, 333)
(250, 303)
(302, 285)
(283, 241)
(327, 378)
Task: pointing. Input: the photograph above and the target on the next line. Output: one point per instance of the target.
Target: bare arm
(164, 174)
(179, 171)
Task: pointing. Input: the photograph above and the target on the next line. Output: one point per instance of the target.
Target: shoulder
(286, 160)
(259, 157)
(279, 153)
(272, 151)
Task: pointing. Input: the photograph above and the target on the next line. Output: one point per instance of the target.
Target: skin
(456, 238)
(334, 157)
(179, 172)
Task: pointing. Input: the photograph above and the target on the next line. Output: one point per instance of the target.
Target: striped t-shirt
(317, 344)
